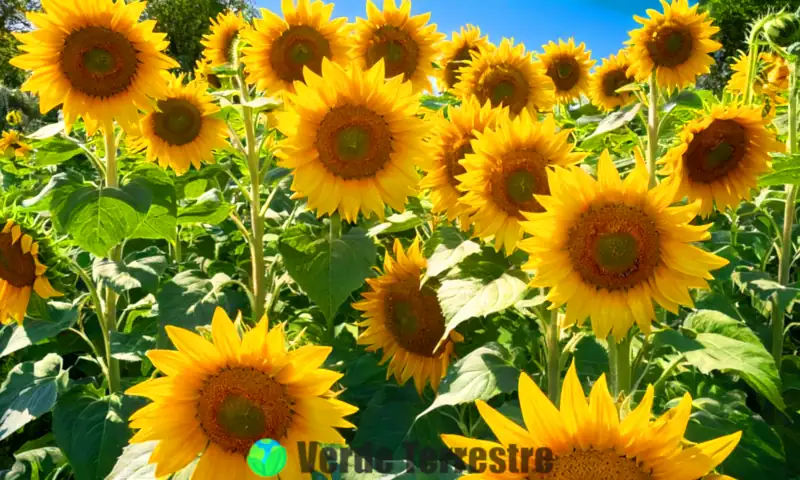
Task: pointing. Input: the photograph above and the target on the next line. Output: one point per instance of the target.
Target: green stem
(334, 233)
(110, 324)
(652, 129)
(752, 64)
(667, 373)
(624, 366)
(613, 353)
(177, 250)
(553, 358)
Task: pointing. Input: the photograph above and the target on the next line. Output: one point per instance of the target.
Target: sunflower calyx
(783, 29)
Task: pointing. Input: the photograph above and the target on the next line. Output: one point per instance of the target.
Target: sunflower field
(370, 251)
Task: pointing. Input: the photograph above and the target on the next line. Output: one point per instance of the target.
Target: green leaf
(47, 131)
(445, 257)
(433, 102)
(91, 430)
(135, 463)
(762, 286)
(54, 152)
(399, 222)
(684, 100)
(785, 170)
(138, 271)
(55, 192)
(614, 121)
(209, 208)
(263, 103)
(162, 218)
(482, 374)
(709, 321)
(14, 337)
(35, 464)
(131, 347)
(327, 268)
(30, 390)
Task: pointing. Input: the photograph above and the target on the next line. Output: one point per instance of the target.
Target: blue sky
(602, 24)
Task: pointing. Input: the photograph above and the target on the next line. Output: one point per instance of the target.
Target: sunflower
(507, 75)
(217, 399)
(220, 43)
(182, 130)
(20, 273)
(772, 79)
(407, 45)
(352, 140)
(14, 117)
(280, 48)
(608, 247)
(452, 142)
(607, 79)
(12, 144)
(675, 43)
(589, 440)
(456, 53)
(568, 65)
(507, 170)
(204, 72)
(404, 319)
(96, 58)
(721, 156)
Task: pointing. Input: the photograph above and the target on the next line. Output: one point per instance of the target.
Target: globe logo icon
(266, 458)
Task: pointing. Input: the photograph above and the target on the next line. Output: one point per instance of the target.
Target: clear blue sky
(602, 24)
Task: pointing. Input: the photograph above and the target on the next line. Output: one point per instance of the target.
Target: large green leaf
(445, 256)
(135, 463)
(762, 286)
(399, 222)
(209, 208)
(30, 390)
(162, 218)
(35, 464)
(785, 170)
(327, 268)
(55, 151)
(59, 317)
(47, 131)
(140, 270)
(612, 122)
(57, 190)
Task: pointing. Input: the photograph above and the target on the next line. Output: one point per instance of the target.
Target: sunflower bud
(783, 30)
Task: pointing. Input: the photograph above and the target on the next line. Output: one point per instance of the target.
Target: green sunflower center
(354, 142)
(16, 268)
(299, 46)
(521, 185)
(399, 51)
(99, 62)
(671, 45)
(177, 121)
(565, 73)
(716, 151)
(415, 318)
(616, 252)
(452, 72)
(240, 417)
(580, 465)
(503, 84)
(519, 177)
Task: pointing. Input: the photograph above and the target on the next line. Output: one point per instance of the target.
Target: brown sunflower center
(503, 84)
(581, 465)
(415, 318)
(452, 158)
(99, 62)
(670, 46)
(451, 71)
(565, 73)
(614, 80)
(177, 121)
(614, 246)
(354, 142)
(519, 177)
(16, 268)
(299, 46)
(239, 406)
(398, 50)
(715, 151)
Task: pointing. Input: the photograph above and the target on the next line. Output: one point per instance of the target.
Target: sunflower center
(670, 46)
(715, 151)
(503, 84)
(614, 246)
(299, 46)
(99, 62)
(241, 405)
(451, 71)
(580, 465)
(415, 318)
(453, 157)
(398, 50)
(519, 177)
(177, 121)
(354, 142)
(16, 268)
(565, 73)
(614, 80)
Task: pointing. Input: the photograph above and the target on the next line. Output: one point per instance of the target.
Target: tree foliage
(12, 19)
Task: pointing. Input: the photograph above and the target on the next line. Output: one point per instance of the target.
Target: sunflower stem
(110, 324)
(752, 63)
(652, 129)
(553, 358)
(624, 366)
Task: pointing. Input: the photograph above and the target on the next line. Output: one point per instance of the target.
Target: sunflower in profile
(508, 171)
(204, 72)
(588, 439)
(12, 144)
(507, 75)
(353, 140)
(220, 43)
(607, 79)
(452, 142)
(14, 117)
(404, 319)
(407, 45)
(218, 398)
(676, 44)
(771, 79)
(182, 130)
(721, 156)
(568, 65)
(456, 54)
(96, 58)
(279, 48)
(608, 248)
(20, 273)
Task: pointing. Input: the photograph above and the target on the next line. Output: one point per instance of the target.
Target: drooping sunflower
(721, 156)
(279, 48)
(96, 58)
(404, 319)
(452, 142)
(771, 80)
(456, 53)
(568, 65)
(676, 44)
(220, 43)
(608, 248)
(20, 273)
(507, 171)
(217, 399)
(182, 130)
(12, 144)
(608, 78)
(407, 45)
(507, 75)
(353, 140)
(589, 440)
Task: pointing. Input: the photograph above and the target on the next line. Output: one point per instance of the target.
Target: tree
(12, 19)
